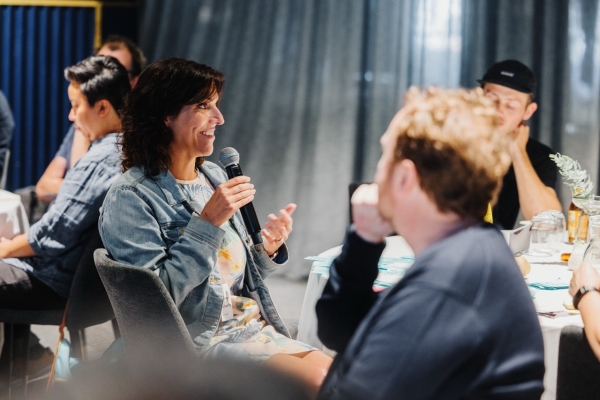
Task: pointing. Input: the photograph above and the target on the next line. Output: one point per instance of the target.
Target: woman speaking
(176, 214)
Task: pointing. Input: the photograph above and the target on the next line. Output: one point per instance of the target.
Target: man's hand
(368, 222)
(518, 140)
(585, 275)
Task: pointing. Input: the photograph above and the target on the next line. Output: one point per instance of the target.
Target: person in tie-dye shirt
(177, 214)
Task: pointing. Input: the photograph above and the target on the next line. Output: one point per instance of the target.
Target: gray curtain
(312, 84)
(534, 32)
(290, 100)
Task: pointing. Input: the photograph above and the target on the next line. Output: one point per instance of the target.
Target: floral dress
(242, 333)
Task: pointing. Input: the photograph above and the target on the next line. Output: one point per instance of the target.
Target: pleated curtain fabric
(36, 45)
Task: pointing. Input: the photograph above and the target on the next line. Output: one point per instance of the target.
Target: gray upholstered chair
(578, 368)
(88, 305)
(147, 315)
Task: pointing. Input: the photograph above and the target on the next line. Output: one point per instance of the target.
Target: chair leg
(76, 345)
(116, 329)
(6, 358)
(24, 373)
(83, 344)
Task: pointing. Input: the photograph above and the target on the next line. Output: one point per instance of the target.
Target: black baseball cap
(512, 74)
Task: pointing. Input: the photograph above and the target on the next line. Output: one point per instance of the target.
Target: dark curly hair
(163, 89)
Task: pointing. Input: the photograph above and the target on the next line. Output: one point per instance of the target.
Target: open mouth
(208, 133)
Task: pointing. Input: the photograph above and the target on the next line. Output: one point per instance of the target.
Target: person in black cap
(529, 183)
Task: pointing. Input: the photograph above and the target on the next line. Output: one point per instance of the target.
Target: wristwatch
(581, 292)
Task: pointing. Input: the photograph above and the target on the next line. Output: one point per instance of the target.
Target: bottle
(573, 218)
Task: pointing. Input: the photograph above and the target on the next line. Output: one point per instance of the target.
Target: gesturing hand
(368, 222)
(278, 229)
(228, 198)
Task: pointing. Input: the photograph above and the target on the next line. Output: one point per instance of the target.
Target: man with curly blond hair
(460, 324)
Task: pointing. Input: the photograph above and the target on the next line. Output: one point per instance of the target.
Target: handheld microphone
(230, 160)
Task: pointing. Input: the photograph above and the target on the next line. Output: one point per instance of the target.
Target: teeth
(212, 133)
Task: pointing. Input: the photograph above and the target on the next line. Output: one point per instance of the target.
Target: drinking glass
(562, 225)
(546, 233)
(592, 252)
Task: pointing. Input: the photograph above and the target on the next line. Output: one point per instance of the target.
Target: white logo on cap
(507, 73)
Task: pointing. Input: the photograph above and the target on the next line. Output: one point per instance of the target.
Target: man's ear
(531, 108)
(404, 176)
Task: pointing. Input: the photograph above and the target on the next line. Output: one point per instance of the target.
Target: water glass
(546, 233)
(562, 224)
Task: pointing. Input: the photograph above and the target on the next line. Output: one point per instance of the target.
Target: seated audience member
(37, 268)
(585, 289)
(7, 125)
(75, 144)
(529, 183)
(177, 214)
(460, 324)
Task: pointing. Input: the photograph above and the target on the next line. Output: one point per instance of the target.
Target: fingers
(366, 194)
(290, 208)
(276, 228)
(235, 181)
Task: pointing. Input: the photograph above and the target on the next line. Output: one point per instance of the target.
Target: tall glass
(562, 224)
(545, 234)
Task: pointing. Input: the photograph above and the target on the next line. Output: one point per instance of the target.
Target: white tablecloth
(13, 220)
(543, 269)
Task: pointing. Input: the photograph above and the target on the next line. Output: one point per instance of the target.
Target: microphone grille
(229, 156)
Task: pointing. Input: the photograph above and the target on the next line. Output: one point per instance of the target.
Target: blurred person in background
(529, 183)
(460, 324)
(585, 289)
(37, 268)
(75, 144)
(177, 214)
(158, 375)
(7, 124)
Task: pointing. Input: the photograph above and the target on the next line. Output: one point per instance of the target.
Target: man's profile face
(514, 107)
(124, 57)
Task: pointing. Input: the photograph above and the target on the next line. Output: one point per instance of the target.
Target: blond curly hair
(452, 138)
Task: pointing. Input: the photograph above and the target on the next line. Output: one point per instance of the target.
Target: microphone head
(229, 156)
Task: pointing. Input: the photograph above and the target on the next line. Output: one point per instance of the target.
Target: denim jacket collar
(171, 190)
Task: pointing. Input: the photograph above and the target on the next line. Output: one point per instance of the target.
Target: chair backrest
(5, 170)
(147, 315)
(578, 368)
(88, 302)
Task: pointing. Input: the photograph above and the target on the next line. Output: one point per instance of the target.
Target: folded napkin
(556, 285)
(532, 292)
(387, 265)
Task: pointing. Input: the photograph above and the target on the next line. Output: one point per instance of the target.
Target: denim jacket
(59, 238)
(145, 222)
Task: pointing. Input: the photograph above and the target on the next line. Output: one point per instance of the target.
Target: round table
(543, 269)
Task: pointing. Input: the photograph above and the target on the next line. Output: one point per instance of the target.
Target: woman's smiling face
(194, 129)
